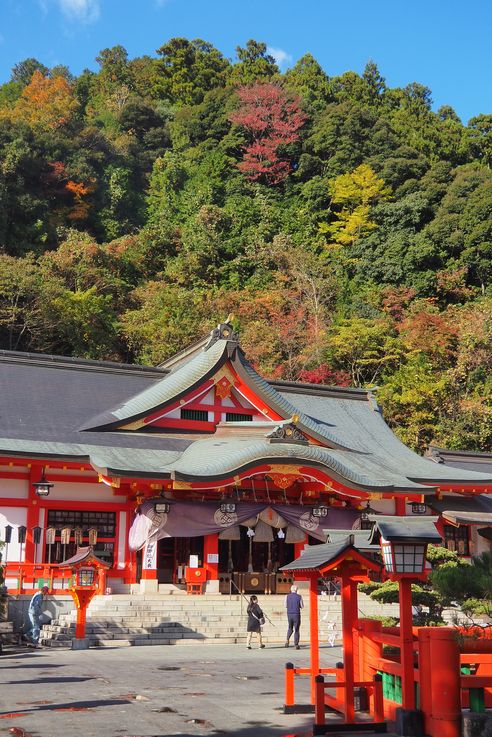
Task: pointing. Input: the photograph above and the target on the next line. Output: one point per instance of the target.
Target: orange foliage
(45, 104)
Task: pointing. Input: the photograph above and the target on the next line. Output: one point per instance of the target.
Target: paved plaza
(151, 691)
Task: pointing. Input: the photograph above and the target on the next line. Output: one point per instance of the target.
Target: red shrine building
(202, 462)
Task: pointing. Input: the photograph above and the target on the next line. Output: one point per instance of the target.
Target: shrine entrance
(173, 555)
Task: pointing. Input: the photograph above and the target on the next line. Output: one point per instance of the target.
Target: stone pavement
(163, 690)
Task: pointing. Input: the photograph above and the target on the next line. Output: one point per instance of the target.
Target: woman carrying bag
(256, 619)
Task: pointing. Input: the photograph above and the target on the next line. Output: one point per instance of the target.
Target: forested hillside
(345, 224)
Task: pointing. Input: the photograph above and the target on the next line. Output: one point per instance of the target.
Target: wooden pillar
(400, 506)
(299, 547)
(348, 646)
(406, 644)
(314, 633)
(211, 550)
(355, 633)
(32, 517)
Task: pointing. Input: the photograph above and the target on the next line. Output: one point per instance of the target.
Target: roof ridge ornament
(287, 432)
(223, 331)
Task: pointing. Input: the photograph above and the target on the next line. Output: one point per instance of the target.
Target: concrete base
(80, 643)
(149, 586)
(409, 723)
(212, 587)
(474, 725)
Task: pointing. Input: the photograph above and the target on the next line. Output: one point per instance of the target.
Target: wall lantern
(419, 508)
(404, 543)
(228, 507)
(320, 511)
(42, 487)
(366, 512)
(162, 507)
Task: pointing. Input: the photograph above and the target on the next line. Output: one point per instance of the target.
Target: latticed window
(103, 522)
(238, 417)
(199, 415)
(457, 539)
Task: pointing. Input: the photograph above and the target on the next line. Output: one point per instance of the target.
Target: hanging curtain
(230, 533)
(263, 533)
(295, 535)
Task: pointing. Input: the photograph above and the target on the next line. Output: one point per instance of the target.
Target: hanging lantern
(78, 535)
(281, 534)
(8, 533)
(228, 507)
(320, 511)
(36, 535)
(42, 487)
(21, 534)
(92, 537)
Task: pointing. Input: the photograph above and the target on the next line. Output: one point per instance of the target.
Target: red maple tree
(272, 120)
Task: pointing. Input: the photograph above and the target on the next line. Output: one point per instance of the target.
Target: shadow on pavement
(61, 679)
(70, 706)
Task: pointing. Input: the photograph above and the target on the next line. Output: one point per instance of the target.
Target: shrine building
(202, 460)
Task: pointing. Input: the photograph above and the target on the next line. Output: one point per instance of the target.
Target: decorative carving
(284, 475)
(224, 331)
(287, 432)
(223, 387)
(182, 485)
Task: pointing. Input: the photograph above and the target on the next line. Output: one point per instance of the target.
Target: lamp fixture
(367, 511)
(162, 507)
(42, 487)
(418, 508)
(320, 511)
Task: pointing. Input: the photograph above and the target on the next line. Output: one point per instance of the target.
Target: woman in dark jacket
(255, 620)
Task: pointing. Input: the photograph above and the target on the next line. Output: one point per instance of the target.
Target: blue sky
(444, 44)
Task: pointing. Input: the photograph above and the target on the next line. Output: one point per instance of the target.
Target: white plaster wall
(14, 488)
(15, 517)
(121, 540)
(84, 492)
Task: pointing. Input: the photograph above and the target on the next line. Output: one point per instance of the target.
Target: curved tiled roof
(215, 457)
(170, 388)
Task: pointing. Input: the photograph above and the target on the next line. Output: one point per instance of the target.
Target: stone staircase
(163, 619)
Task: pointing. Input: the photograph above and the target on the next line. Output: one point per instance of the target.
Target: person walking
(34, 613)
(293, 604)
(255, 620)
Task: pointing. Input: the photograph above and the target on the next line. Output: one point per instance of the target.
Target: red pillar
(445, 683)
(32, 518)
(313, 635)
(355, 633)
(211, 549)
(406, 644)
(400, 506)
(348, 647)
(299, 547)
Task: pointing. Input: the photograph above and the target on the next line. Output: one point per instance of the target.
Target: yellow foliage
(355, 191)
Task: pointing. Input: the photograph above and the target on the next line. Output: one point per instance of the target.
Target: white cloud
(281, 57)
(81, 11)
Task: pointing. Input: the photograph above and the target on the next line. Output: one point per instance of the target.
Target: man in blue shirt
(34, 613)
(293, 604)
